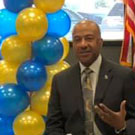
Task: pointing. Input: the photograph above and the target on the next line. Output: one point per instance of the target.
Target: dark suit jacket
(66, 107)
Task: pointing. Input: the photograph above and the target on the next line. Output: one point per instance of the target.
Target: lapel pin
(106, 77)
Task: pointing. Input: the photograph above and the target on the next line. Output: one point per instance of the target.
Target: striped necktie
(88, 102)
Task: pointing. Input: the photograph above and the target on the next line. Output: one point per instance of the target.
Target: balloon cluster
(33, 49)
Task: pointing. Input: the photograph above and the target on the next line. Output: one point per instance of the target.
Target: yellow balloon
(49, 6)
(28, 108)
(65, 44)
(16, 50)
(8, 72)
(31, 24)
(29, 123)
(56, 68)
(39, 101)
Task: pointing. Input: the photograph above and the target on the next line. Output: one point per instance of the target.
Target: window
(109, 15)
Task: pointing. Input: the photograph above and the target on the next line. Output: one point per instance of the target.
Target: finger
(106, 109)
(100, 112)
(123, 107)
(108, 113)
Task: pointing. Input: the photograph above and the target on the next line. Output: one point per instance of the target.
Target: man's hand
(114, 119)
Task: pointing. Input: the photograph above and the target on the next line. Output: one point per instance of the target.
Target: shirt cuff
(118, 131)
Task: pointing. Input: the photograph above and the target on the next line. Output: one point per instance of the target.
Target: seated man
(106, 105)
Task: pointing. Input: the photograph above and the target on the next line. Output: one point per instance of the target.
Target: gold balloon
(39, 101)
(31, 24)
(65, 44)
(8, 72)
(56, 68)
(28, 108)
(49, 6)
(15, 49)
(29, 123)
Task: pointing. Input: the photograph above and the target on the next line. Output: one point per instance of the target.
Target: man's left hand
(114, 119)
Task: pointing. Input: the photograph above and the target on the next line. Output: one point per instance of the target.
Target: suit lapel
(76, 88)
(105, 77)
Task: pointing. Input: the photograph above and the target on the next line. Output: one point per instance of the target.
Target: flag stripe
(130, 13)
(128, 45)
(131, 27)
(125, 43)
(131, 4)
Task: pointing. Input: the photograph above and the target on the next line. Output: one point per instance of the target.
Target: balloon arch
(33, 49)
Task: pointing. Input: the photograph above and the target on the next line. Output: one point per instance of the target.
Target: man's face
(87, 42)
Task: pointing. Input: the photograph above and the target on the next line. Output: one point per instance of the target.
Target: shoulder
(69, 72)
(120, 70)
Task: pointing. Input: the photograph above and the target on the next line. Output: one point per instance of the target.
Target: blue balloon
(7, 23)
(6, 125)
(45, 120)
(13, 99)
(17, 5)
(0, 39)
(31, 75)
(48, 50)
(58, 23)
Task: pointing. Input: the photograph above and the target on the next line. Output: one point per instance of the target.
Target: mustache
(85, 51)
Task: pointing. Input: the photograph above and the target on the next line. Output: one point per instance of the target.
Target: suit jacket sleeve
(55, 122)
(129, 94)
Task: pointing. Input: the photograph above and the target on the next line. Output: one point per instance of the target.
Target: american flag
(127, 57)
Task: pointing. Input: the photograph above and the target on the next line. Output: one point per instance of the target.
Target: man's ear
(100, 41)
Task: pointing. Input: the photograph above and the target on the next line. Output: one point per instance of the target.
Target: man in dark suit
(113, 86)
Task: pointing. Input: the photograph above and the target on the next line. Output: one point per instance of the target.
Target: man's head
(87, 41)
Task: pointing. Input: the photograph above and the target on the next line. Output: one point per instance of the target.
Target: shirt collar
(95, 66)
